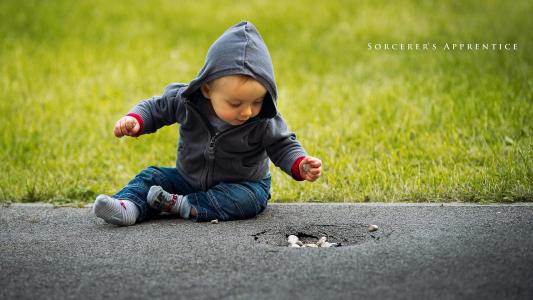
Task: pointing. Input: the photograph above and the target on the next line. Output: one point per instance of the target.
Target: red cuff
(140, 120)
(295, 169)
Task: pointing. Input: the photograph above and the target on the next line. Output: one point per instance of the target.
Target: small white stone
(325, 245)
(215, 221)
(294, 246)
(306, 168)
(321, 241)
(292, 239)
(372, 228)
(310, 246)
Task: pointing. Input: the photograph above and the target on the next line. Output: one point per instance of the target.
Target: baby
(229, 131)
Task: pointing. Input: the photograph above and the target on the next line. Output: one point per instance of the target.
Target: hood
(240, 50)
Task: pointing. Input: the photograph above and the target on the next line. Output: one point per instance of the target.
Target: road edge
(372, 204)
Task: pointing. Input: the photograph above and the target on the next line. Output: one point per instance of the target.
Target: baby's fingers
(315, 162)
(314, 171)
(124, 127)
(132, 127)
(117, 131)
(135, 127)
(312, 177)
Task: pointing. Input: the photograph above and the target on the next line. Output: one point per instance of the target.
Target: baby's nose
(246, 112)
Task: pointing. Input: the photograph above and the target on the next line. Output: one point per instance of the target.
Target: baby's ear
(206, 91)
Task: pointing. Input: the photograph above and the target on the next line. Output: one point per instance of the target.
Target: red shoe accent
(122, 204)
(172, 202)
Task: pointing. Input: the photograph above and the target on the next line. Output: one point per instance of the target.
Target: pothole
(342, 234)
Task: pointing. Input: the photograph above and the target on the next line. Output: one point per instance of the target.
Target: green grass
(389, 126)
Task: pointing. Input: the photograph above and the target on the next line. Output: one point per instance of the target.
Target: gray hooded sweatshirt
(240, 153)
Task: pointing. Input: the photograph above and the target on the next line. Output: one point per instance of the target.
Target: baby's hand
(126, 126)
(310, 168)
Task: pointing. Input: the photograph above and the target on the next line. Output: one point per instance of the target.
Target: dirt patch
(342, 234)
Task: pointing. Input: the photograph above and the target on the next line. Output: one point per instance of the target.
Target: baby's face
(236, 98)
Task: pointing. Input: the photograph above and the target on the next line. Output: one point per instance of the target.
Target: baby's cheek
(256, 111)
(225, 115)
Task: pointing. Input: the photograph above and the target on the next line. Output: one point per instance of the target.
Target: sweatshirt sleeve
(160, 111)
(281, 145)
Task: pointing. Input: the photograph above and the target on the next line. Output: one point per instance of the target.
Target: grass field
(389, 125)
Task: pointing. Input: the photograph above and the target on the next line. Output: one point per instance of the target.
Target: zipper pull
(213, 139)
(211, 148)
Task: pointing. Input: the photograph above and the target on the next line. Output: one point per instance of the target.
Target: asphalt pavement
(428, 251)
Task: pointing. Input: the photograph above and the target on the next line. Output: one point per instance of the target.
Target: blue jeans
(224, 201)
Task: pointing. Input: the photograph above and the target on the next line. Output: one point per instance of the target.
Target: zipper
(209, 154)
(211, 151)
(210, 163)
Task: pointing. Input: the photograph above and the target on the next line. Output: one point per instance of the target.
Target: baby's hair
(212, 84)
